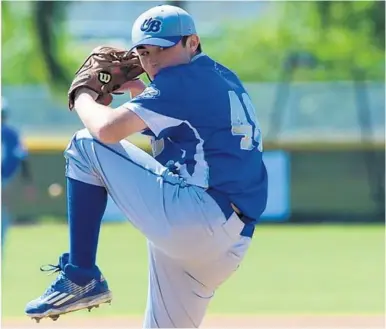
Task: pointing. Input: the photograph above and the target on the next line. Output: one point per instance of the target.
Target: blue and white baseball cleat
(73, 289)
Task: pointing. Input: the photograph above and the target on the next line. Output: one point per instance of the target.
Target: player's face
(154, 58)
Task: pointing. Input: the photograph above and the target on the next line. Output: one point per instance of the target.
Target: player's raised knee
(76, 140)
(82, 134)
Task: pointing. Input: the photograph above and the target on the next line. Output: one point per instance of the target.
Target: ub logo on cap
(151, 25)
(162, 26)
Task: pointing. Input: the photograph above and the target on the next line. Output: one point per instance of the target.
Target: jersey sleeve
(159, 105)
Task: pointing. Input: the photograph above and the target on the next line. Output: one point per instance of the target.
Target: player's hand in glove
(105, 71)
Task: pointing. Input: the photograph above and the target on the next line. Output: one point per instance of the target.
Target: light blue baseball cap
(162, 26)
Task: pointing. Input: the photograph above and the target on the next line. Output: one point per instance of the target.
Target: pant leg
(169, 212)
(179, 294)
(134, 180)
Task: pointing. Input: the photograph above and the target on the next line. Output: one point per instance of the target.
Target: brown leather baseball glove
(104, 71)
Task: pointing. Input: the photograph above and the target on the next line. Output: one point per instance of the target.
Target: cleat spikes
(91, 307)
(54, 317)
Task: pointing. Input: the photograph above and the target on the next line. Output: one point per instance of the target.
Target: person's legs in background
(4, 228)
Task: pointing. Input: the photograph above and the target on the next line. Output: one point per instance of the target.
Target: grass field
(289, 270)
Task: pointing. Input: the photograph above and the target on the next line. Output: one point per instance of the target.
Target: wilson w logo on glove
(104, 77)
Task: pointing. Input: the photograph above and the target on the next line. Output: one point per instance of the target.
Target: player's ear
(193, 42)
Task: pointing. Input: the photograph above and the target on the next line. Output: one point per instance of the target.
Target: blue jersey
(12, 152)
(203, 127)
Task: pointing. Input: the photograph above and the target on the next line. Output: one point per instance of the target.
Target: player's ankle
(82, 276)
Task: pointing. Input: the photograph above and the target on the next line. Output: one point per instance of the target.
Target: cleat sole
(86, 303)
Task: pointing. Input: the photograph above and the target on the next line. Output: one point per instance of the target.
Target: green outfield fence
(328, 182)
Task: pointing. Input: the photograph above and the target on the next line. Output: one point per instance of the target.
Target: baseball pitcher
(196, 200)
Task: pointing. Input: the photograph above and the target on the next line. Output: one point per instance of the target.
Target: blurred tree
(35, 45)
(324, 8)
(378, 13)
(37, 48)
(21, 61)
(339, 36)
(48, 16)
(355, 15)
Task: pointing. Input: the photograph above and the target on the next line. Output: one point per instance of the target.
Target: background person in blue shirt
(14, 157)
(198, 198)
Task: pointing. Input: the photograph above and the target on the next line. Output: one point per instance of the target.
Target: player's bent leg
(68, 293)
(169, 212)
(179, 293)
(153, 199)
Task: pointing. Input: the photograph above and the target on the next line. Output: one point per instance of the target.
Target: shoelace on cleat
(52, 269)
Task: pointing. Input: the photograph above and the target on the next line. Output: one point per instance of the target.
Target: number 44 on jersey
(249, 129)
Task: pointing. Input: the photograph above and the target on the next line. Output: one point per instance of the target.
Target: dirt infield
(234, 321)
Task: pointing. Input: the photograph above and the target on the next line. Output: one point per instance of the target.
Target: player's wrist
(84, 97)
(134, 87)
(83, 92)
